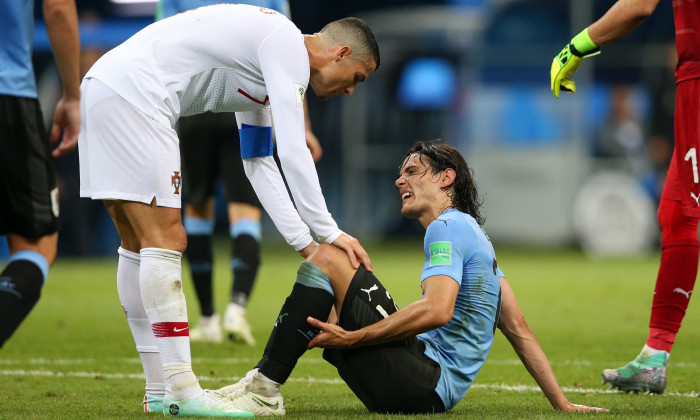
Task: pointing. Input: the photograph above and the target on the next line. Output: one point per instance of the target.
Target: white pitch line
(311, 379)
(303, 360)
(136, 360)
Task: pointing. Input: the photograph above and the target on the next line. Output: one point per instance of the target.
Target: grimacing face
(341, 77)
(419, 188)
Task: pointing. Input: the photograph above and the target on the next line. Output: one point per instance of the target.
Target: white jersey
(232, 58)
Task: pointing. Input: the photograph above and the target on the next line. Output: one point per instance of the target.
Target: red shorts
(683, 178)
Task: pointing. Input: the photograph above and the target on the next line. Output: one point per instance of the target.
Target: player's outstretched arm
(619, 20)
(513, 325)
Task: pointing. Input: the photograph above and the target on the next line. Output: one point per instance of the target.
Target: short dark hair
(357, 34)
(463, 192)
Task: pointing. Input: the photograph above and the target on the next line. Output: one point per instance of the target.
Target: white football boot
(236, 326)
(208, 330)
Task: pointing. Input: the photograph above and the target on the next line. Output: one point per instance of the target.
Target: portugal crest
(176, 181)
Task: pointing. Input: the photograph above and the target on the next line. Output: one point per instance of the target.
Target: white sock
(130, 297)
(262, 385)
(164, 303)
(650, 351)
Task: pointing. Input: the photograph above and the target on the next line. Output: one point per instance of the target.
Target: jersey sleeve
(261, 169)
(285, 67)
(446, 247)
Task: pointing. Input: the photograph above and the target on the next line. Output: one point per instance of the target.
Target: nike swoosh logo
(262, 402)
(179, 329)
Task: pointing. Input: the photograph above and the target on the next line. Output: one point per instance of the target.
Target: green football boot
(153, 403)
(645, 373)
(207, 404)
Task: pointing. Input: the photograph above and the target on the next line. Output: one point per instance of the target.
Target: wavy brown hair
(463, 192)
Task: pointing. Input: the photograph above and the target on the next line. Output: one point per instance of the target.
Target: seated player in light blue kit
(422, 358)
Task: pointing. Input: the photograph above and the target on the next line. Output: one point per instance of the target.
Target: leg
(122, 140)
(312, 295)
(199, 143)
(161, 238)
(395, 377)
(22, 279)
(677, 273)
(128, 289)
(245, 231)
(245, 235)
(29, 211)
(199, 224)
(678, 216)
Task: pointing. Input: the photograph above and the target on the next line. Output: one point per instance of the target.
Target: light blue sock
(198, 225)
(311, 276)
(35, 258)
(250, 227)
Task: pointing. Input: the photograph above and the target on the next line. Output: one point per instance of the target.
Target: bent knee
(326, 256)
(173, 238)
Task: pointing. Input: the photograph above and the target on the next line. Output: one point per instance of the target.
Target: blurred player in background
(237, 58)
(422, 358)
(210, 150)
(679, 208)
(28, 191)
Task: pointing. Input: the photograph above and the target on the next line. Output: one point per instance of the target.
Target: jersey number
(693, 156)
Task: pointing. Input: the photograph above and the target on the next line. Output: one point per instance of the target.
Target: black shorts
(394, 377)
(28, 193)
(210, 149)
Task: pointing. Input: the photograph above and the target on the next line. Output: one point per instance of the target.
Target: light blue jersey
(167, 8)
(16, 43)
(456, 246)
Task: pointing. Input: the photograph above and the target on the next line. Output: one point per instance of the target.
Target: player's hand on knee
(355, 252)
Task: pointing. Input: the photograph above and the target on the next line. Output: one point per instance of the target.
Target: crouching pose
(422, 358)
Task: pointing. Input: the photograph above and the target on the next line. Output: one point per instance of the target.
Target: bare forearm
(62, 26)
(513, 325)
(620, 19)
(535, 361)
(409, 321)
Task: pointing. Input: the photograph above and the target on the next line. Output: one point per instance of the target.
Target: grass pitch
(74, 357)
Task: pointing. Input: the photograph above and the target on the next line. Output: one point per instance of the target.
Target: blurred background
(585, 170)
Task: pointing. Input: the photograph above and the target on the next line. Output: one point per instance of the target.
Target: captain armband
(256, 141)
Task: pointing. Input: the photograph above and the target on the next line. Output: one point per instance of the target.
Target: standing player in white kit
(236, 58)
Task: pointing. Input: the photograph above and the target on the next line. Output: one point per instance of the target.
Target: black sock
(245, 261)
(291, 334)
(20, 288)
(199, 254)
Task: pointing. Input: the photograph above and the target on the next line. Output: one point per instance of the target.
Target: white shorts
(124, 153)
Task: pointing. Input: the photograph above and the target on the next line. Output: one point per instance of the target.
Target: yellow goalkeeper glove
(567, 61)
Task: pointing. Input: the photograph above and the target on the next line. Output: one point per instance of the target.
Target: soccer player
(210, 150)
(679, 208)
(225, 57)
(422, 358)
(28, 192)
